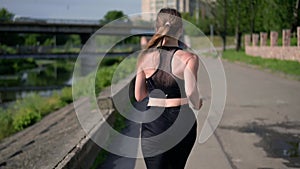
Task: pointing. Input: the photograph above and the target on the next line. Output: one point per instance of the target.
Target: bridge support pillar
(84, 38)
(88, 60)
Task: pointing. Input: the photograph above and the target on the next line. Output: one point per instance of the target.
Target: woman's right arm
(140, 90)
(190, 77)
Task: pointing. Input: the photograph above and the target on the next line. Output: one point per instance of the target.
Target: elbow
(139, 97)
(190, 93)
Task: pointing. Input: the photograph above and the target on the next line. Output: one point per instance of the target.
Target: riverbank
(31, 109)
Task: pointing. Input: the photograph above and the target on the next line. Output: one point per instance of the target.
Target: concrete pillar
(255, 39)
(263, 39)
(88, 59)
(298, 36)
(286, 37)
(247, 40)
(274, 38)
(84, 38)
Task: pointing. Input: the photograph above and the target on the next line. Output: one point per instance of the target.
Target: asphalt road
(259, 128)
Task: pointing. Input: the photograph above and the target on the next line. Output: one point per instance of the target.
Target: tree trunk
(224, 33)
(238, 37)
(252, 17)
(237, 28)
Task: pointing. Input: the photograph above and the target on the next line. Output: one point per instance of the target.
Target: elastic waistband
(173, 102)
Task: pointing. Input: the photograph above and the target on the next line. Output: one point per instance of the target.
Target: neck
(170, 42)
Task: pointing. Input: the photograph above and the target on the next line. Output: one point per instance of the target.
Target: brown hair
(168, 23)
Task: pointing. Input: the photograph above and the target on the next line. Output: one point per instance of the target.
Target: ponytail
(168, 23)
(158, 36)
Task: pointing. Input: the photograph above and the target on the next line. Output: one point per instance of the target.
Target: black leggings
(176, 157)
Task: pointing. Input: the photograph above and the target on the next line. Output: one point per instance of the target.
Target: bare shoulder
(186, 56)
(148, 59)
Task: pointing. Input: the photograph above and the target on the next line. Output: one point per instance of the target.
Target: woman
(167, 75)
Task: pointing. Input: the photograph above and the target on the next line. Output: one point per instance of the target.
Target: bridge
(84, 30)
(63, 55)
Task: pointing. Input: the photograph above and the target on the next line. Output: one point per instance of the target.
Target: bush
(104, 77)
(6, 123)
(33, 108)
(24, 118)
(28, 111)
(66, 95)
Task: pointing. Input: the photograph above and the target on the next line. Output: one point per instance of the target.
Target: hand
(198, 107)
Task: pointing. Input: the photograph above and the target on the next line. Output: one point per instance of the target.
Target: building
(153, 6)
(187, 6)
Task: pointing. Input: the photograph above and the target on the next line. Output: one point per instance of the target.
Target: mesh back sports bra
(168, 85)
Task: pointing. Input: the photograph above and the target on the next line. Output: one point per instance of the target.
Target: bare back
(150, 63)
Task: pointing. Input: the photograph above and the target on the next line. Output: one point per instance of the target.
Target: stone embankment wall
(58, 140)
(258, 46)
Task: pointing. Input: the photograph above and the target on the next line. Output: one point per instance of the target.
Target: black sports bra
(168, 85)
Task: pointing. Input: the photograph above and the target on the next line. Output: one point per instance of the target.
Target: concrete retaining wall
(58, 140)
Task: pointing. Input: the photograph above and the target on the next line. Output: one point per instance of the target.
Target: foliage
(31, 40)
(101, 157)
(6, 128)
(275, 65)
(201, 23)
(7, 50)
(27, 111)
(33, 108)
(14, 66)
(5, 15)
(253, 16)
(66, 95)
(104, 77)
(112, 15)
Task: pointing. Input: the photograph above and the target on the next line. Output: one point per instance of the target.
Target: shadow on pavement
(275, 143)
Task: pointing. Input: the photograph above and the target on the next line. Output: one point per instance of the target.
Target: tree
(253, 16)
(7, 38)
(220, 13)
(113, 15)
(5, 15)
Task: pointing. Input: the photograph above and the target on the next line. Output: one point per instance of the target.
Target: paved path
(260, 124)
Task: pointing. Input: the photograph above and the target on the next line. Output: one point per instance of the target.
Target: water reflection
(48, 76)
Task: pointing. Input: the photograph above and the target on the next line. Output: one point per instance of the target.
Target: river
(47, 77)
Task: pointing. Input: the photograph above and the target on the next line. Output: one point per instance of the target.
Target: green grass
(118, 125)
(26, 112)
(31, 109)
(275, 65)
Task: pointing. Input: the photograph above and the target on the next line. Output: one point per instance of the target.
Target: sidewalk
(259, 128)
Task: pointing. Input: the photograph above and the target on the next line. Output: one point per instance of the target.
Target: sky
(69, 9)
